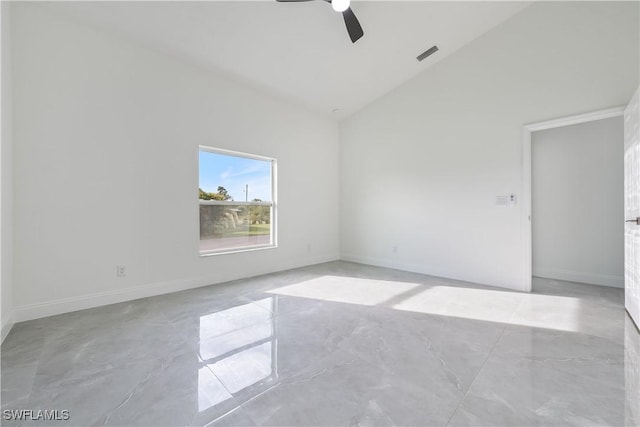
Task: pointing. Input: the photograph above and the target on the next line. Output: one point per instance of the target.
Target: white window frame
(273, 238)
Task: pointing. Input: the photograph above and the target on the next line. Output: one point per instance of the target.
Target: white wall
(578, 202)
(421, 167)
(106, 137)
(6, 199)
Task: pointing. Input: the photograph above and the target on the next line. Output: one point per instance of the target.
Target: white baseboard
(580, 277)
(7, 324)
(428, 270)
(83, 302)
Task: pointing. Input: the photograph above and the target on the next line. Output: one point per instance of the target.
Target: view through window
(237, 208)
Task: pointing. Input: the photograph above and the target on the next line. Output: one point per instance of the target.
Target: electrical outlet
(394, 249)
(121, 270)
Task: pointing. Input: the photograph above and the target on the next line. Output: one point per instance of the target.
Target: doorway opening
(558, 226)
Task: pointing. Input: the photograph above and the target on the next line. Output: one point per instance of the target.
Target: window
(237, 203)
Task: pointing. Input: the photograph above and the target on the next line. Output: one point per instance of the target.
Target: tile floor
(334, 345)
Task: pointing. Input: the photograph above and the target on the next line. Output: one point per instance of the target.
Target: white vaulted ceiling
(301, 51)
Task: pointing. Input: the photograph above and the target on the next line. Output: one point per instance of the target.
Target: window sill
(236, 250)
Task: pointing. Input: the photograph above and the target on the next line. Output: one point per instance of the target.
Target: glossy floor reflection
(334, 344)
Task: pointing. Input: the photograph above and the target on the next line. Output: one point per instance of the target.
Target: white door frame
(526, 174)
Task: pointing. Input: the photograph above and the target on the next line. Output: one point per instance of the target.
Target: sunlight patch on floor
(533, 310)
(350, 290)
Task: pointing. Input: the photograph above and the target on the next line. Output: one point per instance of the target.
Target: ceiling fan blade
(353, 25)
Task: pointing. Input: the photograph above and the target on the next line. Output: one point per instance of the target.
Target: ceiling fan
(353, 25)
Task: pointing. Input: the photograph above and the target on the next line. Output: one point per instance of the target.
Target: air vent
(427, 53)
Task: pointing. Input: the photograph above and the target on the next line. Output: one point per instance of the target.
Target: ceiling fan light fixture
(340, 5)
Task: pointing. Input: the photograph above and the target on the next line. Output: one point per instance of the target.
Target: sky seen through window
(235, 173)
